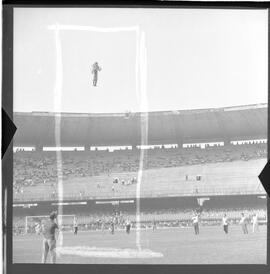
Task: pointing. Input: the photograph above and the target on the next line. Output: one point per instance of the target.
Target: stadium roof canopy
(164, 127)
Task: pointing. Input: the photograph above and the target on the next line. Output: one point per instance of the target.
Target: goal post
(62, 221)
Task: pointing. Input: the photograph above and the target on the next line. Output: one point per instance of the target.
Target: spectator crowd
(33, 168)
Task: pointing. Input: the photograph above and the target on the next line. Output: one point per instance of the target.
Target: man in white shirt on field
(225, 224)
(195, 221)
(255, 225)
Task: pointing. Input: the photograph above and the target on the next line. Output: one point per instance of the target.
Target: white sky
(195, 59)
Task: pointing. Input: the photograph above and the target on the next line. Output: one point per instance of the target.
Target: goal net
(65, 222)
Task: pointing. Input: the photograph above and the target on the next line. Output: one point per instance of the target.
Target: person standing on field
(75, 226)
(225, 224)
(49, 230)
(255, 225)
(128, 226)
(195, 221)
(243, 223)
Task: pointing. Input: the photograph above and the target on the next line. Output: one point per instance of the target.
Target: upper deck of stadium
(164, 127)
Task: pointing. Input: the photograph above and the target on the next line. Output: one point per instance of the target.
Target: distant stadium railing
(132, 195)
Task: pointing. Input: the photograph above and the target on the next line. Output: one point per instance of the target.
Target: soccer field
(165, 246)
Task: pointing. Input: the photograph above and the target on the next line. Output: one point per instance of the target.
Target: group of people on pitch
(225, 223)
(112, 225)
(50, 230)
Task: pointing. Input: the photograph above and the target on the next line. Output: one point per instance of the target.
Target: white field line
(99, 252)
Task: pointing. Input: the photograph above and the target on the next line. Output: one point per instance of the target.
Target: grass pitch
(176, 246)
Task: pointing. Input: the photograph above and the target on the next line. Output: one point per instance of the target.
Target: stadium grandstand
(209, 157)
(124, 129)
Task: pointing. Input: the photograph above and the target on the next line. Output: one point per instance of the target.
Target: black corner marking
(264, 178)
(8, 131)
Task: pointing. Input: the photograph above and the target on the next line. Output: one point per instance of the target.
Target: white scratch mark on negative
(93, 28)
(143, 101)
(141, 75)
(85, 251)
(57, 130)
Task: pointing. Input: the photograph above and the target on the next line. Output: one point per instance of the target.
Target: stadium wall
(147, 204)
